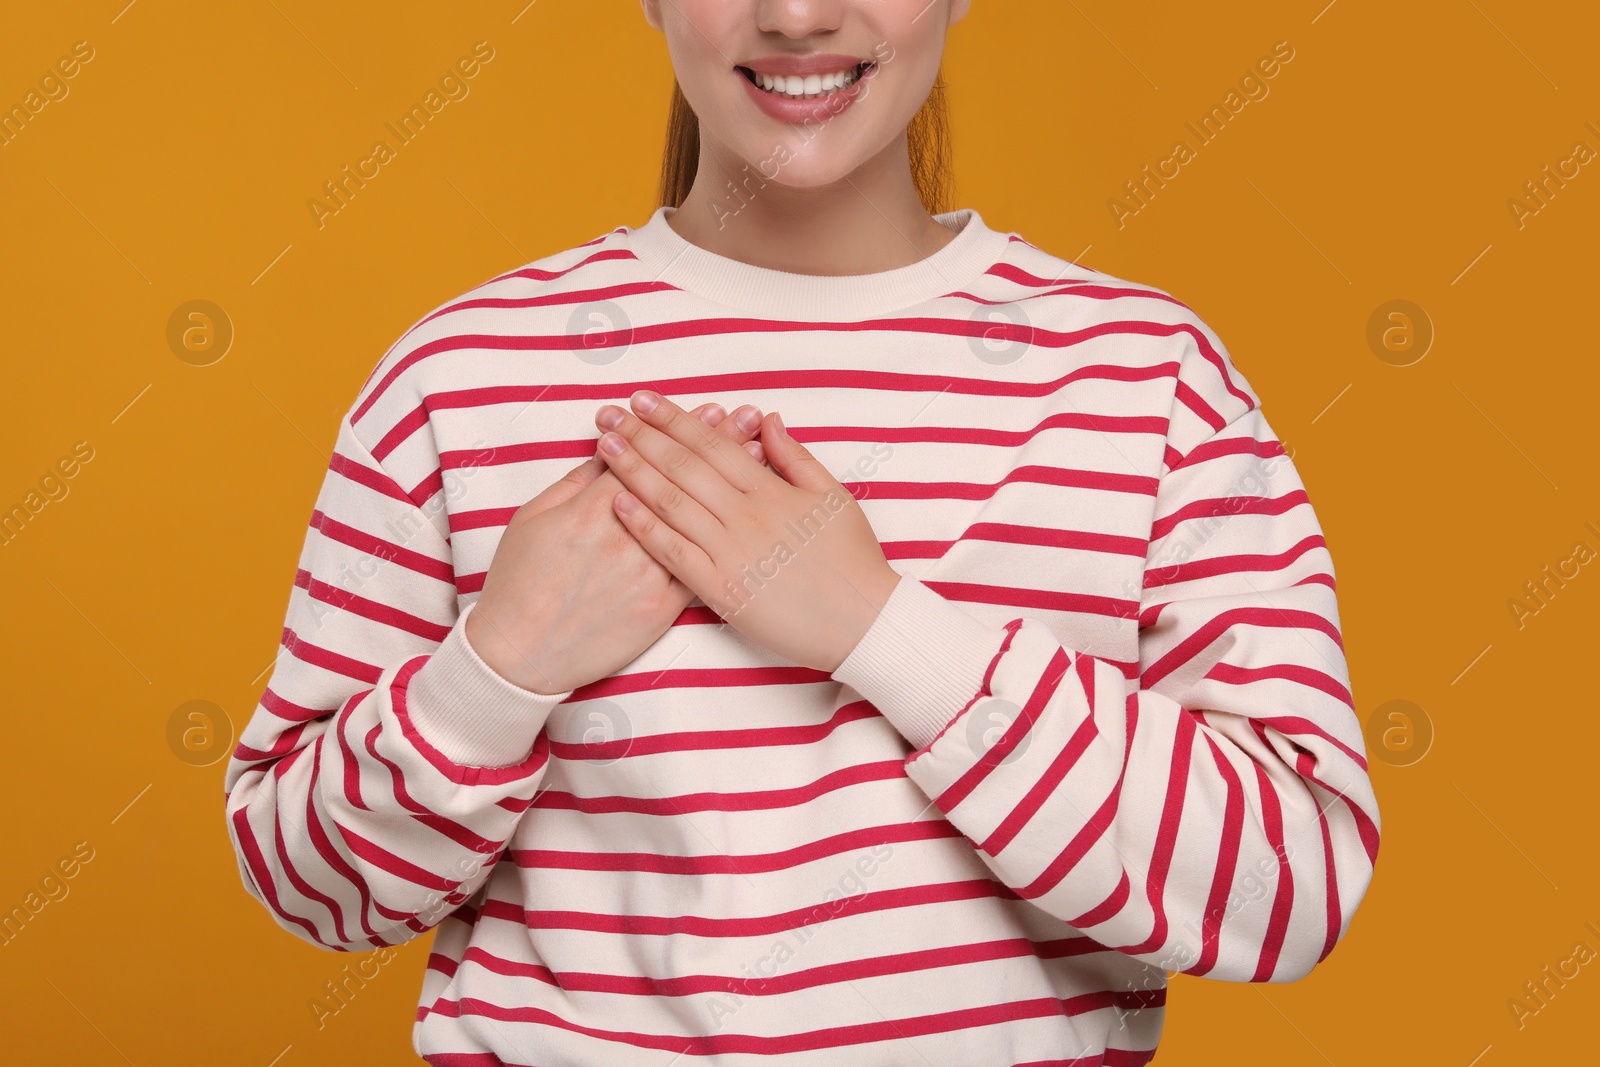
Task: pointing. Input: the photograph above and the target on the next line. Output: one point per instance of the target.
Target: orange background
(1378, 168)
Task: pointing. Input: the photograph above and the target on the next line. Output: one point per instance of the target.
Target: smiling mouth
(807, 87)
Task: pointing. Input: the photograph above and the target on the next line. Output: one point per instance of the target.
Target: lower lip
(785, 109)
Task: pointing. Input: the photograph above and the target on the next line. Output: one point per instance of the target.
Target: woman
(695, 750)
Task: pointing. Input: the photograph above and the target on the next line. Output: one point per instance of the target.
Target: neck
(870, 221)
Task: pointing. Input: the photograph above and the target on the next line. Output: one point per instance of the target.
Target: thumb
(568, 485)
(793, 460)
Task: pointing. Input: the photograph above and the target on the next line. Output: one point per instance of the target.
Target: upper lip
(814, 63)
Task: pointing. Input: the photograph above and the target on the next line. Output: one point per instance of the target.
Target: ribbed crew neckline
(668, 257)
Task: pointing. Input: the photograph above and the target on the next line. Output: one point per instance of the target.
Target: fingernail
(612, 444)
(712, 413)
(779, 420)
(750, 419)
(645, 401)
(609, 417)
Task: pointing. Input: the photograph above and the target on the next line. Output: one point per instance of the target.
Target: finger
(594, 469)
(671, 502)
(733, 424)
(681, 558)
(569, 485)
(712, 414)
(760, 454)
(705, 464)
(749, 440)
(792, 460)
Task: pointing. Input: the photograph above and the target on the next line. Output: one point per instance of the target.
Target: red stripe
(319, 839)
(344, 600)
(558, 299)
(748, 926)
(361, 541)
(1037, 599)
(1216, 908)
(377, 481)
(483, 519)
(1296, 726)
(828, 1037)
(690, 329)
(336, 860)
(409, 424)
(1331, 893)
(745, 864)
(282, 745)
(1055, 773)
(351, 780)
(700, 740)
(1167, 834)
(1233, 505)
(259, 874)
(1230, 446)
(1043, 693)
(1088, 835)
(1013, 273)
(384, 860)
(1244, 563)
(305, 888)
(328, 659)
(1283, 893)
(538, 274)
(1366, 829)
(783, 379)
(754, 800)
(809, 978)
(288, 709)
(1213, 628)
(461, 835)
(1110, 906)
(574, 448)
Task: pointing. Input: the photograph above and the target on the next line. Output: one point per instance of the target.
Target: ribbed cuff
(471, 714)
(922, 661)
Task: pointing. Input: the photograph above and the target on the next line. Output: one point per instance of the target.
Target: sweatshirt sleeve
(386, 765)
(1217, 819)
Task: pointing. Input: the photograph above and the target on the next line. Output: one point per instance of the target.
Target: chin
(807, 166)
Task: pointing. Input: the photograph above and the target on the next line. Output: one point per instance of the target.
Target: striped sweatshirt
(1102, 730)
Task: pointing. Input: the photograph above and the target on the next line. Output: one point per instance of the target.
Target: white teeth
(812, 85)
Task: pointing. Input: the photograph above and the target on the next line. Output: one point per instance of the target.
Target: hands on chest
(678, 505)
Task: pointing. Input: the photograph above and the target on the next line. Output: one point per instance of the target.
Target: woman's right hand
(571, 595)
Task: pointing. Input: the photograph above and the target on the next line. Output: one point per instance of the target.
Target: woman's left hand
(785, 555)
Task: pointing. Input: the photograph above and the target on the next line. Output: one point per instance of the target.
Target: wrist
(923, 661)
(875, 594)
(491, 644)
(465, 717)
